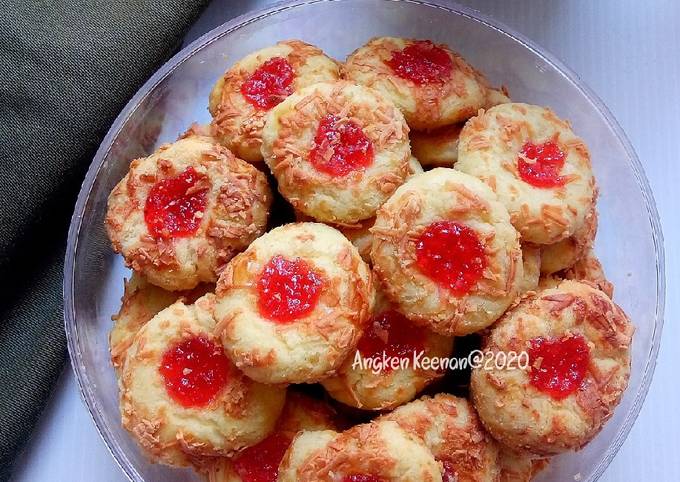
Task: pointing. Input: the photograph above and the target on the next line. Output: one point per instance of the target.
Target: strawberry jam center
(269, 84)
(452, 255)
(340, 147)
(174, 207)
(260, 463)
(422, 62)
(362, 478)
(194, 371)
(558, 366)
(540, 164)
(449, 472)
(288, 289)
(392, 333)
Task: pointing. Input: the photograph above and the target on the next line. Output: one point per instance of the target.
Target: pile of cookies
(424, 205)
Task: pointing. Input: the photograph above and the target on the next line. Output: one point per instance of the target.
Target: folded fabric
(66, 70)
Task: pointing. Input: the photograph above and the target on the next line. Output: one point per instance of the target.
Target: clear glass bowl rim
(76, 356)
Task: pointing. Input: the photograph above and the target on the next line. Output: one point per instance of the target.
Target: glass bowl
(629, 242)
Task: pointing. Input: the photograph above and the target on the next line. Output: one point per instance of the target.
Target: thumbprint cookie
(519, 467)
(531, 268)
(564, 254)
(589, 268)
(181, 397)
(496, 97)
(386, 370)
(242, 97)
(142, 301)
(535, 163)
(179, 215)
(360, 236)
(360, 233)
(415, 167)
(293, 306)
(577, 347)
(446, 252)
(431, 84)
(379, 451)
(450, 429)
(550, 281)
(337, 150)
(260, 462)
(439, 147)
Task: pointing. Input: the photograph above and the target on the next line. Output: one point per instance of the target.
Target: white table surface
(628, 52)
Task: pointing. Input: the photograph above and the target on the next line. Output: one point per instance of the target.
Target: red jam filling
(449, 472)
(194, 371)
(269, 84)
(288, 289)
(542, 169)
(340, 147)
(558, 366)
(452, 255)
(362, 478)
(422, 62)
(392, 333)
(260, 463)
(174, 206)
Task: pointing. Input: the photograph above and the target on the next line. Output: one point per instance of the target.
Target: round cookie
(337, 150)
(303, 412)
(142, 301)
(519, 467)
(378, 450)
(564, 254)
(293, 306)
(438, 147)
(589, 268)
(531, 268)
(260, 462)
(549, 281)
(535, 163)
(360, 234)
(180, 214)
(415, 167)
(181, 397)
(496, 97)
(451, 430)
(577, 345)
(242, 97)
(368, 381)
(432, 85)
(446, 252)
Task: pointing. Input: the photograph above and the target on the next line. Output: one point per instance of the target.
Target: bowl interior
(628, 241)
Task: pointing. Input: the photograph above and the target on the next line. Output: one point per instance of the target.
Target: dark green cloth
(66, 69)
